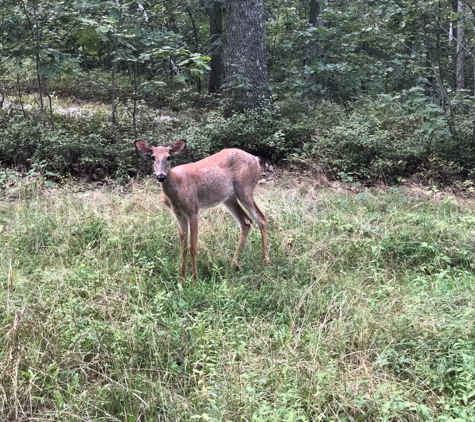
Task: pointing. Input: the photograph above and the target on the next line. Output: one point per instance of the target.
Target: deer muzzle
(161, 177)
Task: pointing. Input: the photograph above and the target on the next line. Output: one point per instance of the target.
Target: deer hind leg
(244, 222)
(247, 200)
(183, 228)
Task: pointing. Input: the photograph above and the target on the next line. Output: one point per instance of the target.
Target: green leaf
(88, 21)
(102, 29)
(48, 71)
(181, 77)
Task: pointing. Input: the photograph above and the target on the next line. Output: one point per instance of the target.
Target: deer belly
(208, 198)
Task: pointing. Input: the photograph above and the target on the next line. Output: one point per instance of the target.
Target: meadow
(365, 312)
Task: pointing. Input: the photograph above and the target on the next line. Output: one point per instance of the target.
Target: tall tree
(215, 13)
(35, 29)
(460, 79)
(247, 51)
(314, 13)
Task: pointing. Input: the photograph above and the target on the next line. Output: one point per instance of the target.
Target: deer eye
(152, 157)
(169, 158)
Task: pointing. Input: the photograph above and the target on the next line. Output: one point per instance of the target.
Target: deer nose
(161, 177)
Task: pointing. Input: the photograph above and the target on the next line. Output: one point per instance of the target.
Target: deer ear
(143, 147)
(177, 147)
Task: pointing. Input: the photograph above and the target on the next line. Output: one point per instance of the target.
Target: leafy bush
(385, 140)
(382, 139)
(87, 144)
(263, 132)
(93, 86)
(364, 146)
(83, 146)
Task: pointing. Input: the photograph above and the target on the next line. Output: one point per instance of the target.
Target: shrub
(87, 144)
(263, 132)
(361, 144)
(81, 146)
(385, 140)
(373, 140)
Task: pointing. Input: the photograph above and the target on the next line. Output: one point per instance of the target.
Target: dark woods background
(362, 90)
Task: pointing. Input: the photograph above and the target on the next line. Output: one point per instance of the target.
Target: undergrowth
(383, 139)
(364, 313)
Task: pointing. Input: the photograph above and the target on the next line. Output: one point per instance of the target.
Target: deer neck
(171, 185)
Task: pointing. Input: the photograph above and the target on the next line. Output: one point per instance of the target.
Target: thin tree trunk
(445, 98)
(50, 103)
(247, 51)
(215, 14)
(195, 31)
(40, 85)
(133, 72)
(473, 124)
(84, 54)
(3, 33)
(113, 82)
(20, 98)
(115, 55)
(460, 79)
(35, 36)
(196, 40)
(472, 55)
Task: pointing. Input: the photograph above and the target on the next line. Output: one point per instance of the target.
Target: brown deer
(226, 177)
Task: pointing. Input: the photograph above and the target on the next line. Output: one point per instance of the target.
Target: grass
(366, 312)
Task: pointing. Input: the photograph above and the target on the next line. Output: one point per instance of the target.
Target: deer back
(210, 181)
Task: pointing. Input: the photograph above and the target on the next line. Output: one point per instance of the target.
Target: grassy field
(365, 313)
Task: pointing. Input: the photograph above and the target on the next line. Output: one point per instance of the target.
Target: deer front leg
(183, 228)
(193, 244)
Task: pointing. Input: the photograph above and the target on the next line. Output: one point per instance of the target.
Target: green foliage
(86, 143)
(367, 93)
(262, 131)
(387, 140)
(370, 144)
(81, 146)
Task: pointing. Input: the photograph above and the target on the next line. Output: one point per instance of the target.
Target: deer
(228, 177)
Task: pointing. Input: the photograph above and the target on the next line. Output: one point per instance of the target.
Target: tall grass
(366, 311)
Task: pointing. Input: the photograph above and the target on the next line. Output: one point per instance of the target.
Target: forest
(371, 91)
(362, 114)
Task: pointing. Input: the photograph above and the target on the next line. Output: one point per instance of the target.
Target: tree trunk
(313, 20)
(247, 51)
(473, 124)
(314, 13)
(115, 56)
(460, 80)
(113, 84)
(196, 79)
(35, 38)
(215, 14)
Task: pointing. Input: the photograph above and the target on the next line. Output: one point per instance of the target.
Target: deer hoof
(236, 265)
